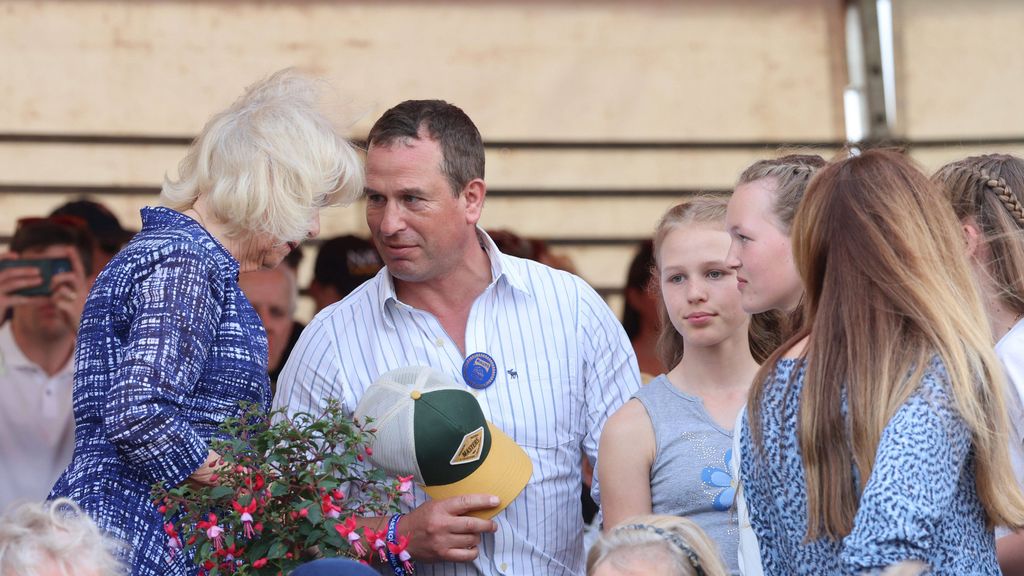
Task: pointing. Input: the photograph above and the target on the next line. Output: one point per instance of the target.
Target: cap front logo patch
(470, 448)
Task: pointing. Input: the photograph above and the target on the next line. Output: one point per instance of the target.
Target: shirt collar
(12, 358)
(503, 268)
(162, 218)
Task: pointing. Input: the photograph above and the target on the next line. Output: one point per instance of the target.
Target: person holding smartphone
(42, 291)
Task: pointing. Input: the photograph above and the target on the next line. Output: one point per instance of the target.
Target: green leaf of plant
(218, 492)
(277, 550)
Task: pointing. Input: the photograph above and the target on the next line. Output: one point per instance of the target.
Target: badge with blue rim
(479, 370)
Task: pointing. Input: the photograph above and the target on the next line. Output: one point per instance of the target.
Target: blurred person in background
(37, 426)
(274, 294)
(640, 312)
(342, 264)
(169, 346)
(986, 194)
(55, 539)
(110, 236)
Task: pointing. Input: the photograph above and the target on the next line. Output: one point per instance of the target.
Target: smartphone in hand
(48, 268)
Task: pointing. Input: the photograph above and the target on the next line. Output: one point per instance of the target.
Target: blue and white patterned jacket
(167, 348)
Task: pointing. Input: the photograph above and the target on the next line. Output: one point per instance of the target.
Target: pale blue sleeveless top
(690, 475)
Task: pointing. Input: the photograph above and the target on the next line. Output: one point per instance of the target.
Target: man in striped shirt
(562, 362)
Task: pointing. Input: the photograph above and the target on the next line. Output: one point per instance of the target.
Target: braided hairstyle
(987, 189)
(791, 174)
(673, 545)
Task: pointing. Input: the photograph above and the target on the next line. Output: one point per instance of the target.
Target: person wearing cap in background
(544, 355)
(37, 426)
(342, 264)
(105, 228)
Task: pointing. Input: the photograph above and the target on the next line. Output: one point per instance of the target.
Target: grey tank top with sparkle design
(691, 474)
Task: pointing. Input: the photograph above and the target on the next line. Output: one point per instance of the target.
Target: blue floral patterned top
(168, 346)
(920, 502)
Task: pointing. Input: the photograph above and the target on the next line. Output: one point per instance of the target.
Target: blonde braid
(1005, 195)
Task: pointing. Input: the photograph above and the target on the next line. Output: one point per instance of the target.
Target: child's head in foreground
(654, 544)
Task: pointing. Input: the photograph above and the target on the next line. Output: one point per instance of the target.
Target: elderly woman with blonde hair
(55, 539)
(168, 344)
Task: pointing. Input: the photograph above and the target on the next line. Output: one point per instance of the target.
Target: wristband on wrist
(398, 557)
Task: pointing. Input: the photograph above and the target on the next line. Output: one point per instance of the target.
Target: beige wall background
(658, 99)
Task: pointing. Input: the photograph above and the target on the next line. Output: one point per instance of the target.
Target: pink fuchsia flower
(399, 549)
(260, 563)
(347, 530)
(377, 541)
(246, 515)
(330, 509)
(173, 541)
(405, 483)
(230, 554)
(214, 532)
(405, 488)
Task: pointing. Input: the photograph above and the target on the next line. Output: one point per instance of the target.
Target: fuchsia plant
(288, 490)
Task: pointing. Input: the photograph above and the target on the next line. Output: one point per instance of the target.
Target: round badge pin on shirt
(479, 370)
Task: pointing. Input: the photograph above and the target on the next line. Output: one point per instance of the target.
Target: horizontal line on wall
(493, 192)
(171, 140)
(78, 189)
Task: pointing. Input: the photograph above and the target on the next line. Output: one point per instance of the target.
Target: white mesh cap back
(389, 402)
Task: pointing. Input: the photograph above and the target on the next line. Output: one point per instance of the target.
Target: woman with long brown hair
(878, 432)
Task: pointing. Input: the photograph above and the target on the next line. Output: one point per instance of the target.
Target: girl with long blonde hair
(668, 450)
(878, 432)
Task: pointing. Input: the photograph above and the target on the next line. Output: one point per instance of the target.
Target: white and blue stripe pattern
(563, 365)
(167, 348)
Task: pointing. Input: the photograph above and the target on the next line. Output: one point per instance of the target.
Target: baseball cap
(433, 429)
(345, 262)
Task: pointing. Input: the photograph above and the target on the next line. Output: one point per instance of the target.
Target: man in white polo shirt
(37, 342)
(544, 356)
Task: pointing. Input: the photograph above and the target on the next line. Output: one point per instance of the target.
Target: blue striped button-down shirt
(563, 362)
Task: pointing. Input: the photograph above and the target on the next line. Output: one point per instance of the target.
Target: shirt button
(503, 566)
(439, 343)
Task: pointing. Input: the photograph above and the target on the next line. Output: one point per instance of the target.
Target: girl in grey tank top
(668, 449)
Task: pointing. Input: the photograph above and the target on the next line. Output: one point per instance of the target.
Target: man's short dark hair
(462, 148)
(45, 232)
(106, 230)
